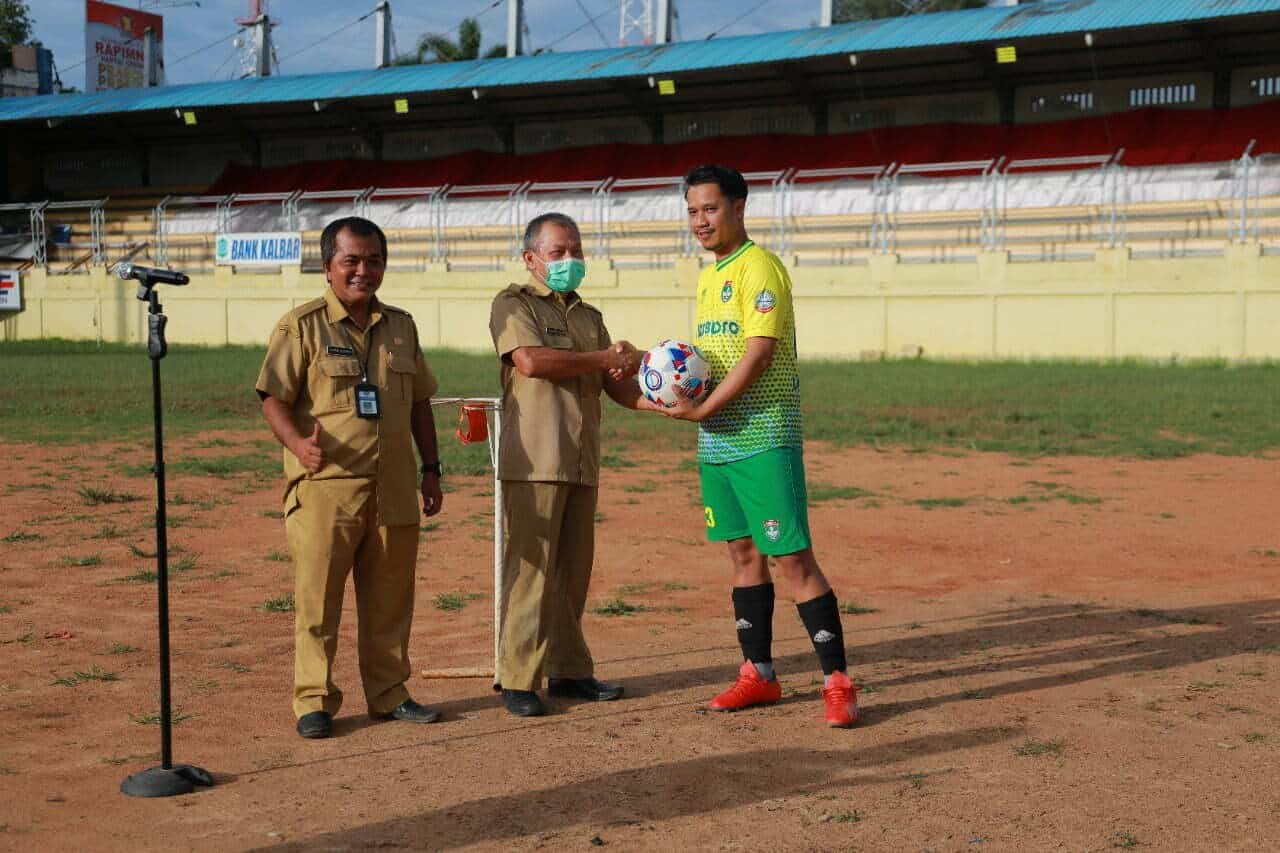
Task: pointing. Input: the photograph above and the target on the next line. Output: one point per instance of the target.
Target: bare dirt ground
(1074, 654)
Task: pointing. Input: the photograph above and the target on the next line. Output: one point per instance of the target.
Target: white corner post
(382, 35)
(826, 14)
(662, 30)
(515, 27)
(151, 60)
(262, 46)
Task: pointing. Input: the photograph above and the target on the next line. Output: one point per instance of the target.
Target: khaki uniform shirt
(550, 429)
(315, 359)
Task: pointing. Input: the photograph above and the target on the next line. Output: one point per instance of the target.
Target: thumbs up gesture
(309, 452)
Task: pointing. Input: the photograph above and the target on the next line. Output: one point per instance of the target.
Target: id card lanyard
(368, 403)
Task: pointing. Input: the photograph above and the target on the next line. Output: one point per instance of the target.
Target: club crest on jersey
(772, 530)
(726, 292)
(766, 301)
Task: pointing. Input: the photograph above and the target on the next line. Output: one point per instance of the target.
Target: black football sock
(753, 610)
(821, 617)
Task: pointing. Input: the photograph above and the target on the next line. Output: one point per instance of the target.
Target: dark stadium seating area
(1150, 137)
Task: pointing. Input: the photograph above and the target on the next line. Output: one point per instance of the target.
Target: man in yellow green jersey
(749, 446)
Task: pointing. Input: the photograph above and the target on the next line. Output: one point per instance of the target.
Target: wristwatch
(434, 467)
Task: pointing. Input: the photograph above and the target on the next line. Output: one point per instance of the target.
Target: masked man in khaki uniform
(345, 389)
(556, 359)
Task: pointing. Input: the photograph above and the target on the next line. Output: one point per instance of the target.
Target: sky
(199, 43)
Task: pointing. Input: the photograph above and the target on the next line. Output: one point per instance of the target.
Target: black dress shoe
(317, 724)
(584, 688)
(411, 712)
(523, 703)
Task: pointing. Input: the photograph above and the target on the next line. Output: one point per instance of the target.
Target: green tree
(15, 22)
(434, 47)
(860, 10)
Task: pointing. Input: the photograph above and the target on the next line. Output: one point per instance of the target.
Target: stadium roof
(1001, 25)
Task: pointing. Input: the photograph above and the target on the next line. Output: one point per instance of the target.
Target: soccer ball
(673, 370)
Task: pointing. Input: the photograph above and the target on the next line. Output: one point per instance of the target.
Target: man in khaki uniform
(556, 359)
(345, 389)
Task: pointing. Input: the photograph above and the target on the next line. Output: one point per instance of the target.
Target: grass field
(1062, 645)
(59, 391)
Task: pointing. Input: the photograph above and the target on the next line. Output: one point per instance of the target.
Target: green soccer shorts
(762, 496)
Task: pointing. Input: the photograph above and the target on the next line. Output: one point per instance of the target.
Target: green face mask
(565, 275)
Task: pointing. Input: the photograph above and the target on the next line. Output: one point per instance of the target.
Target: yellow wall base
(1111, 307)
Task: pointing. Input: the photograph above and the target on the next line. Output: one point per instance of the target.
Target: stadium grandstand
(1033, 181)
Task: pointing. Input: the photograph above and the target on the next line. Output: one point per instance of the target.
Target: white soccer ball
(672, 371)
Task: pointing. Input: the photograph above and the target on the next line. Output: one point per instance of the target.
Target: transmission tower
(635, 22)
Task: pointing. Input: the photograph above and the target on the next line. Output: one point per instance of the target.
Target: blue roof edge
(1053, 17)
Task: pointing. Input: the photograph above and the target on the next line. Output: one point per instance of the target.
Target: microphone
(150, 275)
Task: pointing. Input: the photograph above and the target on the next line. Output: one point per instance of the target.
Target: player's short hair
(534, 229)
(356, 225)
(730, 181)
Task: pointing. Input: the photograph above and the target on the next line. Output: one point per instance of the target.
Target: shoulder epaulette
(309, 307)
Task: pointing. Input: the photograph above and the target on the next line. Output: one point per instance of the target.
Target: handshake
(621, 360)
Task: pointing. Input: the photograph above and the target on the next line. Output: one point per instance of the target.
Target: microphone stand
(167, 780)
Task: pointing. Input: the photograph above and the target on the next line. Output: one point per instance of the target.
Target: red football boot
(840, 695)
(750, 689)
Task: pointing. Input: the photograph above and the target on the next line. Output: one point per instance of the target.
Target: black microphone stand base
(160, 782)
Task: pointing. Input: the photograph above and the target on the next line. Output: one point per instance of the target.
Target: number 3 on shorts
(711, 516)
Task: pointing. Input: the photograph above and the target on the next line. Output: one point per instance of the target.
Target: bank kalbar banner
(115, 46)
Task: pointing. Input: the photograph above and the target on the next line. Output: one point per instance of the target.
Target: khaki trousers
(546, 571)
(332, 531)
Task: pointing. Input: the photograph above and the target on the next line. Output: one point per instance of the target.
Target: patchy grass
(618, 607)
(853, 608)
(97, 497)
(176, 717)
(235, 667)
(820, 492)
(278, 557)
(1031, 748)
(21, 536)
(1124, 840)
(121, 649)
(279, 604)
(641, 488)
(974, 693)
(140, 576)
(939, 503)
(613, 460)
(854, 816)
(452, 602)
(108, 531)
(634, 588)
(90, 560)
(93, 673)
(675, 586)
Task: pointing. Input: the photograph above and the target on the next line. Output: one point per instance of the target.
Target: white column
(825, 16)
(151, 75)
(262, 46)
(515, 27)
(382, 35)
(662, 30)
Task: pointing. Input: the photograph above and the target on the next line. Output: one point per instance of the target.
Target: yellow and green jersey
(748, 295)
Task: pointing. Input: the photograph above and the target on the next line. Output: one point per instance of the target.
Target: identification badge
(368, 405)
(340, 351)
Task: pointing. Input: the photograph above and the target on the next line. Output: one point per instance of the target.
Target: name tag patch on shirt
(552, 330)
(348, 351)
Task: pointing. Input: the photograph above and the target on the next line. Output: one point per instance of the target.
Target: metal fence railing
(1035, 209)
